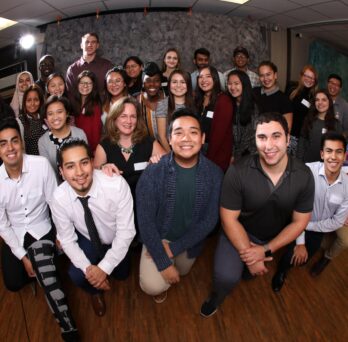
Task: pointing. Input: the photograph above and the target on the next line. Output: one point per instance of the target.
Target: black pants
(312, 243)
(13, 270)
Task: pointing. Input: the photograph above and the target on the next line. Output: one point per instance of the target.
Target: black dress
(135, 165)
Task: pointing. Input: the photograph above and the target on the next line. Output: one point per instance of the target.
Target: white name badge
(140, 166)
(305, 103)
(210, 114)
(323, 131)
(164, 84)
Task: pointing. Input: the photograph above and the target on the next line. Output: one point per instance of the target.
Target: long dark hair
(247, 103)
(139, 81)
(108, 96)
(92, 98)
(188, 96)
(38, 90)
(199, 94)
(330, 119)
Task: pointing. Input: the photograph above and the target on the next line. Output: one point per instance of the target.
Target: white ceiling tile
(221, 7)
(274, 6)
(124, 4)
(308, 2)
(88, 8)
(283, 20)
(27, 11)
(253, 12)
(334, 9)
(307, 15)
(10, 4)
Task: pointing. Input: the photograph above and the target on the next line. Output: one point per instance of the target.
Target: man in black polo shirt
(266, 202)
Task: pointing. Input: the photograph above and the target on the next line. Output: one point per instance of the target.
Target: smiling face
(240, 61)
(152, 85)
(126, 122)
(171, 60)
(32, 103)
(85, 86)
(271, 143)
(133, 69)
(56, 116)
(177, 85)
(205, 80)
(333, 156)
(77, 169)
(56, 86)
(268, 77)
(334, 87)
(308, 78)
(186, 140)
(115, 84)
(11, 148)
(89, 45)
(322, 103)
(235, 87)
(24, 82)
(201, 61)
(46, 66)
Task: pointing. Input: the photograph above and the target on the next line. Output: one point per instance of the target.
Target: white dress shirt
(23, 202)
(330, 209)
(111, 205)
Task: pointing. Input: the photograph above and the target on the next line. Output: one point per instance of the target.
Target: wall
(279, 55)
(125, 34)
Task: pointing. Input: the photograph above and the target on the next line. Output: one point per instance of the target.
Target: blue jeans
(121, 272)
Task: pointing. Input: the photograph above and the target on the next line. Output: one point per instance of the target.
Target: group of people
(138, 153)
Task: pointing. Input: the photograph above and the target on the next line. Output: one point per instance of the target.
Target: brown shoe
(319, 266)
(98, 304)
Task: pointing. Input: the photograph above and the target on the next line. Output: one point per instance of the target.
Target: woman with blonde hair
(126, 144)
(302, 97)
(23, 81)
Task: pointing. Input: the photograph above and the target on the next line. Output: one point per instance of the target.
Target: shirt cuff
(105, 266)
(301, 239)
(19, 252)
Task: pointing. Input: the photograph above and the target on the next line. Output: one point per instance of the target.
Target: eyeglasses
(334, 84)
(119, 81)
(86, 84)
(309, 77)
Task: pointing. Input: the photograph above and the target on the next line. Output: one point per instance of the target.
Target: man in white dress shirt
(330, 209)
(27, 184)
(89, 195)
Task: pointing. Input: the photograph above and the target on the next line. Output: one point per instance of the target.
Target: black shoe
(71, 336)
(208, 308)
(278, 281)
(246, 275)
(319, 266)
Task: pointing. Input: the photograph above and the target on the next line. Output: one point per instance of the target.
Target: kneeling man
(94, 217)
(177, 207)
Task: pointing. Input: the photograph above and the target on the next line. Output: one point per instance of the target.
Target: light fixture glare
(27, 41)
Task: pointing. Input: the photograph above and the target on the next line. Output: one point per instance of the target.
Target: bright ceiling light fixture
(241, 2)
(27, 41)
(5, 23)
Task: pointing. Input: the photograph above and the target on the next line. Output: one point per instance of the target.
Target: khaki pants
(334, 243)
(151, 280)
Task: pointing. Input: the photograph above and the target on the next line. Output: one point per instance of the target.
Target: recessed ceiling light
(5, 23)
(237, 1)
(27, 41)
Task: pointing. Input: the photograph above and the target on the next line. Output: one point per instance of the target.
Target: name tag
(140, 166)
(210, 114)
(337, 115)
(323, 131)
(164, 84)
(305, 103)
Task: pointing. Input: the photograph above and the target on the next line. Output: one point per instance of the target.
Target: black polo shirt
(267, 209)
(274, 101)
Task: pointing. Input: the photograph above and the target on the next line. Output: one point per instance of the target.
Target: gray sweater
(49, 150)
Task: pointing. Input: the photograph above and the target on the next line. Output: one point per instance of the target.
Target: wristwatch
(268, 252)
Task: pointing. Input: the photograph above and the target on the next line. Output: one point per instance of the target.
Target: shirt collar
(256, 164)
(269, 92)
(82, 61)
(322, 173)
(25, 168)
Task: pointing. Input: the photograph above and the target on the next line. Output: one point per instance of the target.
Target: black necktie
(92, 229)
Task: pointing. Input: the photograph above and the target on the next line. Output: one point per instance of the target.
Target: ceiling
(323, 19)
